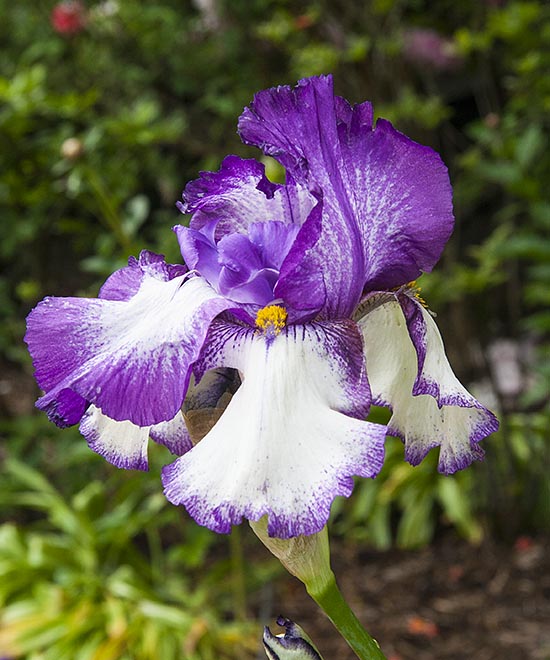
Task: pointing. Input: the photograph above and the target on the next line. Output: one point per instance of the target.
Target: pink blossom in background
(68, 17)
(426, 47)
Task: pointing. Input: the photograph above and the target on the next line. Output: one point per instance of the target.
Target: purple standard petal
(130, 358)
(290, 439)
(239, 194)
(387, 209)
(299, 127)
(402, 200)
(409, 372)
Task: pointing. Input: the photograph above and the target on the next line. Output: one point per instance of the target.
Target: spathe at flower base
(364, 211)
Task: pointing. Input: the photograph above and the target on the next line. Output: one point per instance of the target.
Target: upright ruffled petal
(239, 194)
(131, 358)
(409, 372)
(286, 445)
(387, 209)
(299, 127)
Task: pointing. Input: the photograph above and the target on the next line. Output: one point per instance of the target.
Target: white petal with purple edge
(281, 448)
(121, 443)
(125, 445)
(131, 358)
(409, 372)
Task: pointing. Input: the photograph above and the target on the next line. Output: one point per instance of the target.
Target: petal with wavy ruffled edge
(239, 194)
(124, 283)
(387, 206)
(130, 358)
(409, 372)
(125, 445)
(121, 443)
(285, 446)
(173, 435)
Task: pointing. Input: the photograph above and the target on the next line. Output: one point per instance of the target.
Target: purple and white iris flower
(302, 291)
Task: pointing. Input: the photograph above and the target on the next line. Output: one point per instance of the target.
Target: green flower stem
(330, 600)
(238, 573)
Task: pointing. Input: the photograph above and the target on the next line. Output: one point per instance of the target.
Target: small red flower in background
(68, 17)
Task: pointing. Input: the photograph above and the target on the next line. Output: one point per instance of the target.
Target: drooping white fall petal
(287, 444)
(409, 372)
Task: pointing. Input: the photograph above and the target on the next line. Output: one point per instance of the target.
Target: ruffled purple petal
(290, 439)
(124, 283)
(239, 194)
(402, 200)
(387, 209)
(130, 358)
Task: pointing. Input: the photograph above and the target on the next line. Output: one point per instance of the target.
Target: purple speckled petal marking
(409, 372)
(130, 358)
(239, 194)
(387, 208)
(125, 445)
(173, 435)
(294, 446)
(121, 443)
(294, 643)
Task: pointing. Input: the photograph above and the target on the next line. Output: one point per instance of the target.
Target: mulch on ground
(450, 601)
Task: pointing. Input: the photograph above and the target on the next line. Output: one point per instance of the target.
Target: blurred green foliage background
(107, 109)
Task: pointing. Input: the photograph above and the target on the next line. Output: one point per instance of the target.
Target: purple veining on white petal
(173, 435)
(404, 350)
(124, 283)
(387, 209)
(121, 443)
(297, 434)
(131, 358)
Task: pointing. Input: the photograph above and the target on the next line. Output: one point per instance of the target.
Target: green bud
(305, 557)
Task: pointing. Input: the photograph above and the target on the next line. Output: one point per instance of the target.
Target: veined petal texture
(409, 372)
(125, 445)
(130, 358)
(387, 201)
(286, 445)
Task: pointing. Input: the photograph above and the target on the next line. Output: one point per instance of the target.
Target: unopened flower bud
(293, 644)
(305, 557)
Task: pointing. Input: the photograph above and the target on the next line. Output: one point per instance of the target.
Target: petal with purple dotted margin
(131, 358)
(292, 436)
(409, 372)
(125, 445)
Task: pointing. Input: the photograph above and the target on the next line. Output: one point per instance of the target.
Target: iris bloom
(302, 292)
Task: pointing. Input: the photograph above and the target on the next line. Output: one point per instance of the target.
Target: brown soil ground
(450, 601)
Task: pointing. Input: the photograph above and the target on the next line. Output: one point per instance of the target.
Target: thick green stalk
(331, 601)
